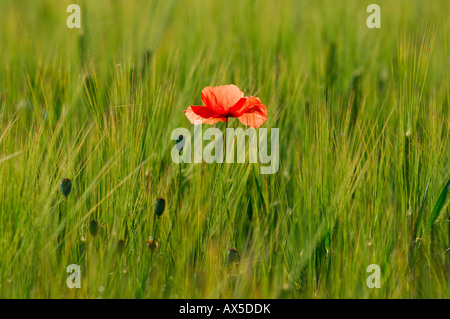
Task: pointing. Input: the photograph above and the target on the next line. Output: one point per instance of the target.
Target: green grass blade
(420, 213)
(437, 207)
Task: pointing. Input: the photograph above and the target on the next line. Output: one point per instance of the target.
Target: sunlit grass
(364, 130)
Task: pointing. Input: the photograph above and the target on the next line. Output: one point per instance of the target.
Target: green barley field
(364, 150)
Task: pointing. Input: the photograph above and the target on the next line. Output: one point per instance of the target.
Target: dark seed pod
(145, 62)
(66, 186)
(160, 204)
(180, 143)
(199, 280)
(232, 256)
(152, 244)
(120, 246)
(93, 227)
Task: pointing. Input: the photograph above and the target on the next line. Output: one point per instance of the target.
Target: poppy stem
(225, 141)
(223, 193)
(155, 227)
(179, 187)
(217, 174)
(61, 232)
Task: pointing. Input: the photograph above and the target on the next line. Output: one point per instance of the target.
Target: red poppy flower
(222, 102)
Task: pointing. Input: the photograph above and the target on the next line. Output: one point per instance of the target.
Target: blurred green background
(364, 129)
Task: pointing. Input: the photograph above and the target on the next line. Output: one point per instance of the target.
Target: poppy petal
(221, 98)
(202, 115)
(253, 113)
(238, 108)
